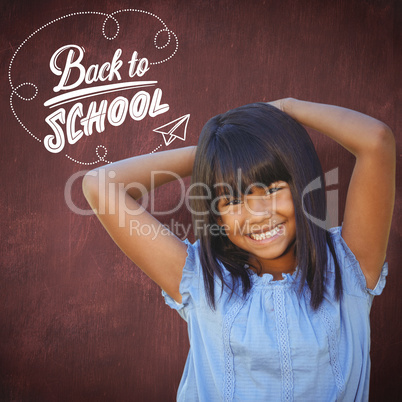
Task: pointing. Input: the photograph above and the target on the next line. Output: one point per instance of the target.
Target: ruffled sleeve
(189, 282)
(353, 277)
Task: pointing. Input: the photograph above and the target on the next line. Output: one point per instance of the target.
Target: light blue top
(272, 346)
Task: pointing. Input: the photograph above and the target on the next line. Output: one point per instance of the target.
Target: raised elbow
(382, 142)
(385, 139)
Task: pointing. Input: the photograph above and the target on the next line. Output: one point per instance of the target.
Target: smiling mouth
(265, 235)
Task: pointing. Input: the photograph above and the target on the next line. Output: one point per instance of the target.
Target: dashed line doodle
(64, 120)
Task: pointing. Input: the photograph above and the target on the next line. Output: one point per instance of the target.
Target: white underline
(93, 91)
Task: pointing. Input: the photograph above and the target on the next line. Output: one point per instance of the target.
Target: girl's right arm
(371, 193)
(113, 190)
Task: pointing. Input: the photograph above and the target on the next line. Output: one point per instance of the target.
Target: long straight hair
(265, 145)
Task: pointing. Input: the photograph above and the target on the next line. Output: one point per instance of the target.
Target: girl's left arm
(371, 193)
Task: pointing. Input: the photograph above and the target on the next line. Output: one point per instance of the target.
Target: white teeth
(266, 235)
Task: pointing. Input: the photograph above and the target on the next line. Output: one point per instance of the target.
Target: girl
(277, 305)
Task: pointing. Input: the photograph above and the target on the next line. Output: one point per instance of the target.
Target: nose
(259, 206)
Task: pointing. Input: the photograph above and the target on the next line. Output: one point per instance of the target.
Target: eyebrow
(228, 197)
(222, 188)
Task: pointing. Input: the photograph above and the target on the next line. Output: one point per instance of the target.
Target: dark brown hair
(267, 145)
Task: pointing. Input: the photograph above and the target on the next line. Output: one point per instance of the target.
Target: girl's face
(262, 222)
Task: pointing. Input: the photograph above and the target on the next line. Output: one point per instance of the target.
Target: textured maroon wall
(79, 322)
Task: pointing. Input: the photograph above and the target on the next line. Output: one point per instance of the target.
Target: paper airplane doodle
(170, 130)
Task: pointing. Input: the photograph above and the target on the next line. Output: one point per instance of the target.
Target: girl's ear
(219, 220)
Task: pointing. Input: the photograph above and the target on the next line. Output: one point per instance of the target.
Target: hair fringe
(240, 138)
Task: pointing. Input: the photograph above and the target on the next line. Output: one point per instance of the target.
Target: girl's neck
(285, 265)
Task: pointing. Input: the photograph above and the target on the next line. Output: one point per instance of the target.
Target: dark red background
(78, 321)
